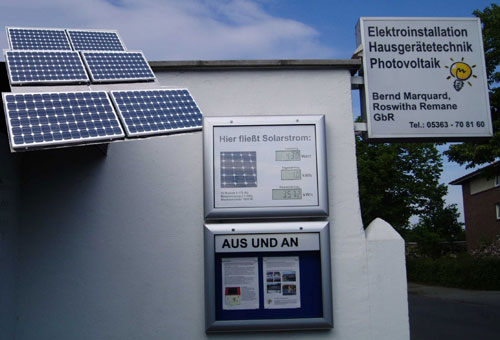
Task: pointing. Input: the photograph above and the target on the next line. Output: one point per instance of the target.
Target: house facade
(481, 196)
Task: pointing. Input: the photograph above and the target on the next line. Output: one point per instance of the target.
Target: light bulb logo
(462, 72)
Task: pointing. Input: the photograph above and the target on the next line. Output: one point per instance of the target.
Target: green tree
(439, 224)
(476, 153)
(443, 220)
(398, 180)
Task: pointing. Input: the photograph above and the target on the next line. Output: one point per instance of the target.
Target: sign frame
(258, 212)
(426, 129)
(211, 231)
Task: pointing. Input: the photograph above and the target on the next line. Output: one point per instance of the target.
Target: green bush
(429, 243)
(463, 271)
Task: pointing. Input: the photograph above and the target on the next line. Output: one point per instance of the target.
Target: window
(497, 180)
(498, 211)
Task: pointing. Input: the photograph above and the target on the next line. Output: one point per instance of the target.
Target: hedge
(463, 271)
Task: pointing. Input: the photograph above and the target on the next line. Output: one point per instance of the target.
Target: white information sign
(424, 78)
(242, 243)
(281, 282)
(240, 286)
(265, 166)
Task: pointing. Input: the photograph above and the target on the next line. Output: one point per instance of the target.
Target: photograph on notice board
(282, 282)
(274, 287)
(269, 276)
(233, 296)
(289, 276)
(289, 289)
(240, 284)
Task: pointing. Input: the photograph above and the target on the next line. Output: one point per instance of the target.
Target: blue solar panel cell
(151, 112)
(38, 39)
(26, 67)
(37, 120)
(117, 66)
(89, 40)
(238, 169)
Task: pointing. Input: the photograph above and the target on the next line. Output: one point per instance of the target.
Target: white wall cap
(379, 229)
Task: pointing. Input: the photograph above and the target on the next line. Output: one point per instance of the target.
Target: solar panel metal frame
(8, 28)
(152, 133)
(37, 82)
(95, 30)
(62, 143)
(121, 80)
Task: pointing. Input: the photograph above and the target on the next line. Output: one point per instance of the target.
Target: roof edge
(197, 65)
(473, 174)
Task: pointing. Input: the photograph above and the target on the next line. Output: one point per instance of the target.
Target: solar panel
(92, 40)
(38, 39)
(150, 112)
(27, 67)
(117, 66)
(238, 169)
(37, 120)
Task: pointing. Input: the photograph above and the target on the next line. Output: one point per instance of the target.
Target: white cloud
(177, 30)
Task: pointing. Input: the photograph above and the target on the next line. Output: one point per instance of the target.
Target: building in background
(481, 195)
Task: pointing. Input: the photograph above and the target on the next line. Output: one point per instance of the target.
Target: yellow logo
(461, 71)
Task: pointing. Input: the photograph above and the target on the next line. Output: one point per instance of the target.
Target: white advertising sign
(424, 78)
(266, 242)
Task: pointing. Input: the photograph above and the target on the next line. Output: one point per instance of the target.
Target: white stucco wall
(111, 247)
(386, 282)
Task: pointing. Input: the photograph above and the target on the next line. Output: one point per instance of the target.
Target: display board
(273, 166)
(425, 78)
(267, 276)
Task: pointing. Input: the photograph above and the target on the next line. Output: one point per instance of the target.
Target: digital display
(288, 155)
(287, 194)
(290, 174)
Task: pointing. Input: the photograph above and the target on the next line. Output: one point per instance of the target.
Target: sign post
(425, 78)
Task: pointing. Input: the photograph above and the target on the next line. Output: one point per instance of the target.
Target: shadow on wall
(60, 180)
(4, 87)
(74, 158)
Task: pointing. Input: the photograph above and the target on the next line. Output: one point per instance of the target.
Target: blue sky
(232, 29)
